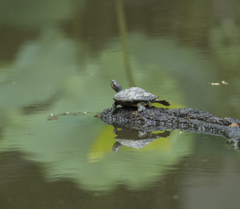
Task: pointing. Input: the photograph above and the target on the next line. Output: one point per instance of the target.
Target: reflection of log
(186, 119)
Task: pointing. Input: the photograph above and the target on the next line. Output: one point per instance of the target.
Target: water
(58, 57)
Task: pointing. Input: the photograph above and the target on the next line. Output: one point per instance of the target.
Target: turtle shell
(137, 144)
(134, 94)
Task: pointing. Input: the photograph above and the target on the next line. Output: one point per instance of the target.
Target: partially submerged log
(185, 119)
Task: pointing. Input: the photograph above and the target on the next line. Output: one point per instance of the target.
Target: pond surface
(58, 57)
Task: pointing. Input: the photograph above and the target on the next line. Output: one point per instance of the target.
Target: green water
(59, 56)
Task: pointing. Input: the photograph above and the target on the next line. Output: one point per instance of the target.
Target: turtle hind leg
(114, 107)
(164, 102)
(141, 107)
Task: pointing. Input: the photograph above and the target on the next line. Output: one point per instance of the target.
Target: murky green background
(59, 56)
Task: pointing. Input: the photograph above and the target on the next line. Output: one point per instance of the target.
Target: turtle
(133, 96)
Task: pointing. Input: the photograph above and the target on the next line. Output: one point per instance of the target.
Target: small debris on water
(52, 118)
(215, 84)
(224, 82)
(66, 113)
(234, 125)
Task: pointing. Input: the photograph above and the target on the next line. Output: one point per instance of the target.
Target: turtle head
(115, 85)
(116, 146)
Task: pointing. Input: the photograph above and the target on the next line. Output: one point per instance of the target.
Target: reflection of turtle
(134, 96)
(134, 138)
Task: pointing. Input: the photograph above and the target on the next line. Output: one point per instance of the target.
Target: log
(185, 119)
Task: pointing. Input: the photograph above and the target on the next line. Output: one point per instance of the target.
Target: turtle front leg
(149, 104)
(114, 109)
(141, 107)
